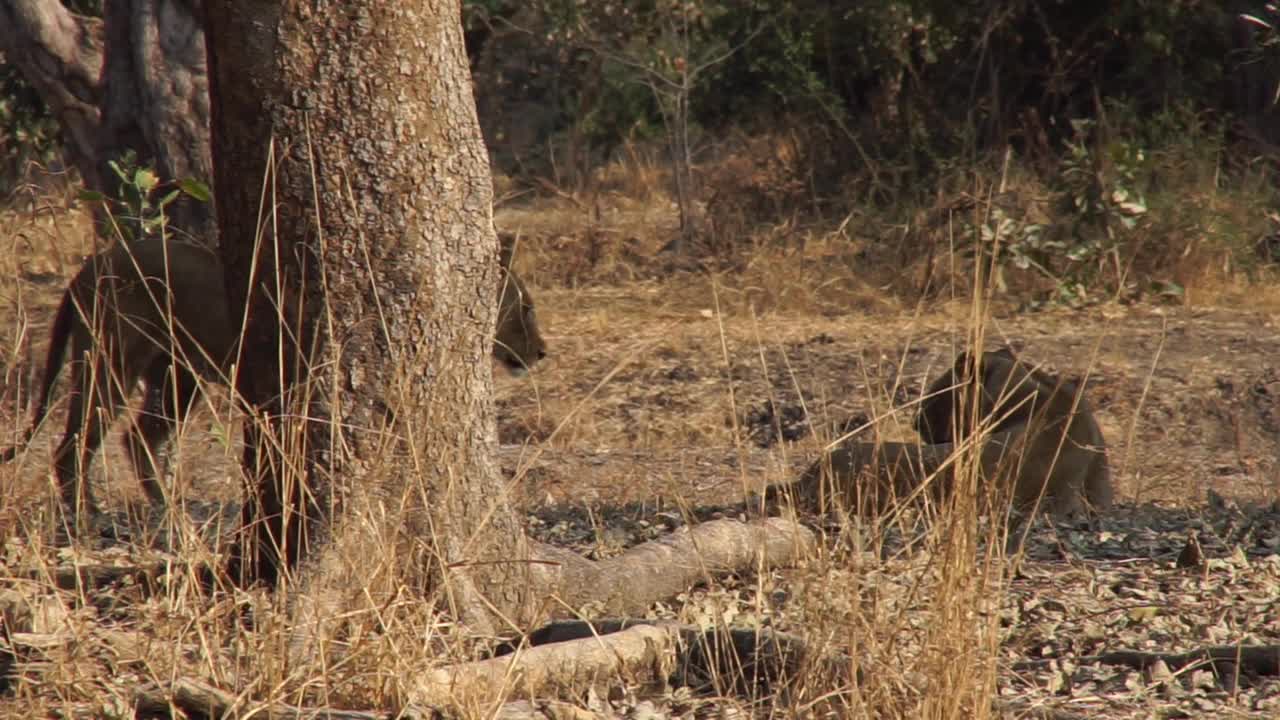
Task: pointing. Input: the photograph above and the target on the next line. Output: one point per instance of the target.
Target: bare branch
(728, 53)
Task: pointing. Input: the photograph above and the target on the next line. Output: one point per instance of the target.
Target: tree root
(194, 699)
(754, 659)
(628, 584)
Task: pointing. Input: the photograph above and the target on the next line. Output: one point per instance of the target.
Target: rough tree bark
(156, 99)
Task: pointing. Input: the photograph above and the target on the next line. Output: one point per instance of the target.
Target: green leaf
(195, 189)
(88, 195)
(170, 197)
(119, 171)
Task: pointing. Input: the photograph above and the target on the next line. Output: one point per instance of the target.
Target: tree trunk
(369, 278)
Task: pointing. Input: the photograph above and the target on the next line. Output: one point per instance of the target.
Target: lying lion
(1039, 443)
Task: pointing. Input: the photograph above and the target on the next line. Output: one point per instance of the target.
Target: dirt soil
(654, 408)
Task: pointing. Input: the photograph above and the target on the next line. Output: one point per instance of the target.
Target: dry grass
(664, 393)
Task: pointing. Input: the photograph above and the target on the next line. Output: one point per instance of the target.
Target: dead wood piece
(98, 576)
(1022, 711)
(566, 630)
(629, 583)
(195, 699)
(569, 655)
(647, 653)
(1260, 660)
(760, 655)
(27, 641)
(644, 653)
(95, 576)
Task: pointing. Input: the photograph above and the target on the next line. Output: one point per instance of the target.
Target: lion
(1062, 458)
(156, 311)
(1024, 449)
(518, 343)
(872, 478)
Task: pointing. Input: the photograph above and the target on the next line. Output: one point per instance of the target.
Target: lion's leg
(96, 398)
(169, 391)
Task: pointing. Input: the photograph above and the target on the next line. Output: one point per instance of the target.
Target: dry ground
(666, 392)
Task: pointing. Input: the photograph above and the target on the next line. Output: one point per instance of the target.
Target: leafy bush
(138, 212)
(28, 133)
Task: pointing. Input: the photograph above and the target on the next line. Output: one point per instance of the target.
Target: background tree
(132, 81)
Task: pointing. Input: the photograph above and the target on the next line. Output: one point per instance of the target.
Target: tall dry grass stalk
(913, 596)
(960, 648)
